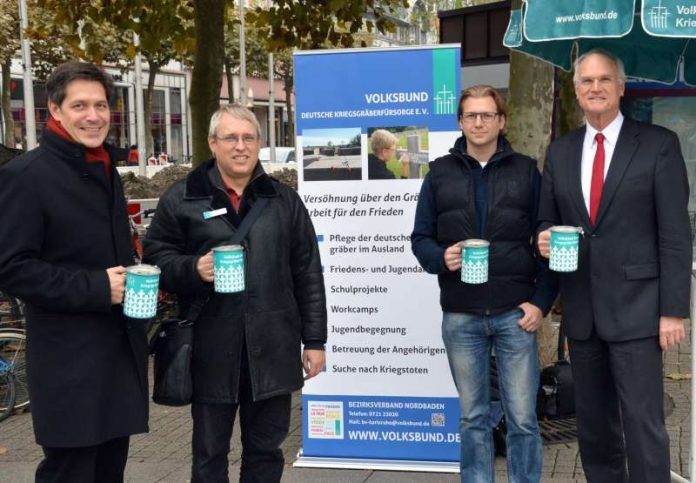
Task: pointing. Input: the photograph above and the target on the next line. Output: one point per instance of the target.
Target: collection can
(228, 265)
(475, 261)
(142, 284)
(565, 247)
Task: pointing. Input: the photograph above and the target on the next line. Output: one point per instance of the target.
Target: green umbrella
(653, 38)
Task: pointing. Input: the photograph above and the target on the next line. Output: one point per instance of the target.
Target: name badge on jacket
(214, 213)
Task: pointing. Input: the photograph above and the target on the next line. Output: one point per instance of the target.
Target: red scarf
(94, 155)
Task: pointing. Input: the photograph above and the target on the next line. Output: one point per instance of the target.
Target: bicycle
(137, 231)
(14, 391)
(7, 391)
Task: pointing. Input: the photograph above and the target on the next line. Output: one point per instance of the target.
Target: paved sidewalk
(163, 455)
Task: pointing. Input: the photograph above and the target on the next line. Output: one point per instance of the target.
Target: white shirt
(589, 148)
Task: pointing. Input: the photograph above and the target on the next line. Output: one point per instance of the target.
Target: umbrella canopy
(651, 37)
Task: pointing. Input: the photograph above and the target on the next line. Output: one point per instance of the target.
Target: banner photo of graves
(368, 123)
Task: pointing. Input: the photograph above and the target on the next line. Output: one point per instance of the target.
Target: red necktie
(597, 178)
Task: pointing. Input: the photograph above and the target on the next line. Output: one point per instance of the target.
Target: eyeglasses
(470, 117)
(234, 140)
(589, 82)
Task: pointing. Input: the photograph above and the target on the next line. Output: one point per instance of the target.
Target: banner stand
(368, 464)
(368, 123)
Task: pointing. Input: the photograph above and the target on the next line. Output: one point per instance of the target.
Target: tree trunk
(206, 78)
(570, 114)
(228, 75)
(530, 101)
(149, 141)
(288, 85)
(6, 105)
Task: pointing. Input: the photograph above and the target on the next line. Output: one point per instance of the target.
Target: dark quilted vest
(508, 229)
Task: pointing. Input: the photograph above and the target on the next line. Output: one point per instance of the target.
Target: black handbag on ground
(173, 347)
(556, 396)
(172, 344)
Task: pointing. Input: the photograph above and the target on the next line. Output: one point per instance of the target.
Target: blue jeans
(468, 339)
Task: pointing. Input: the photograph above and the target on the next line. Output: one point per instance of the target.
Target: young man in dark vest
(485, 190)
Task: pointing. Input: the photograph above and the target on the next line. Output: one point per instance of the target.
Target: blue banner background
(329, 82)
(367, 432)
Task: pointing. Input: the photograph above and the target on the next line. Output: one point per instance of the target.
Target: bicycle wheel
(7, 393)
(13, 350)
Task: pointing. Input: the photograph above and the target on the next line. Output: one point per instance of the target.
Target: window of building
(479, 30)
(176, 151)
(118, 133)
(158, 126)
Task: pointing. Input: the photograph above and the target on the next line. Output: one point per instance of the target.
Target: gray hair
(237, 112)
(382, 139)
(605, 53)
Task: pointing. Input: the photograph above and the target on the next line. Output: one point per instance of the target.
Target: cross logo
(658, 16)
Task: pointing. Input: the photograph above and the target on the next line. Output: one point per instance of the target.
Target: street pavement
(164, 454)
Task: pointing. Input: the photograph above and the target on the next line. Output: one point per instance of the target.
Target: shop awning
(652, 37)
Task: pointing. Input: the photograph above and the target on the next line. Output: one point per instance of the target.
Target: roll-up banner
(386, 399)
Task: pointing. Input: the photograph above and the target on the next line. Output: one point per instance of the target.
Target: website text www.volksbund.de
(585, 16)
(404, 436)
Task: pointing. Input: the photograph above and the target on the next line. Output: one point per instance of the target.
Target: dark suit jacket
(635, 263)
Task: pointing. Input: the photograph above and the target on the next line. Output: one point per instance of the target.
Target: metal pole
(3, 118)
(271, 110)
(139, 111)
(242, 57)
(186, 115)
(30, 120)
(693, 386)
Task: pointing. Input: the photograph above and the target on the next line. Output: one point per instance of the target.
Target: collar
(611, 132)
(68, 150)
(503, 150)
(93, 154)
(205, 179)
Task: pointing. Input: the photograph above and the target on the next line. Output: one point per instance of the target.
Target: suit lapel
(575, 177)
(623, 154)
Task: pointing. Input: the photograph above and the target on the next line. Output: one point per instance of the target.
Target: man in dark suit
(625, 184)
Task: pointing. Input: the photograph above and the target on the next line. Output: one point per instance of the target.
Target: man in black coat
(625, 184)
(246, 348)
(65, 242)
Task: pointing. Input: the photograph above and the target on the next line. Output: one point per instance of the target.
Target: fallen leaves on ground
(678, 376)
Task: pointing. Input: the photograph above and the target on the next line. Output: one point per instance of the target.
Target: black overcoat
(62, 224)
(284, 304)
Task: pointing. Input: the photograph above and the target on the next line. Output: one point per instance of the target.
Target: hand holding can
(142, 284)
(475, 261)
(565, 247)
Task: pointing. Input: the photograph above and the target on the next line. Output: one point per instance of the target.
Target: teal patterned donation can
(228, 261)
(142, 282)
(475, 261)
(565, 242)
